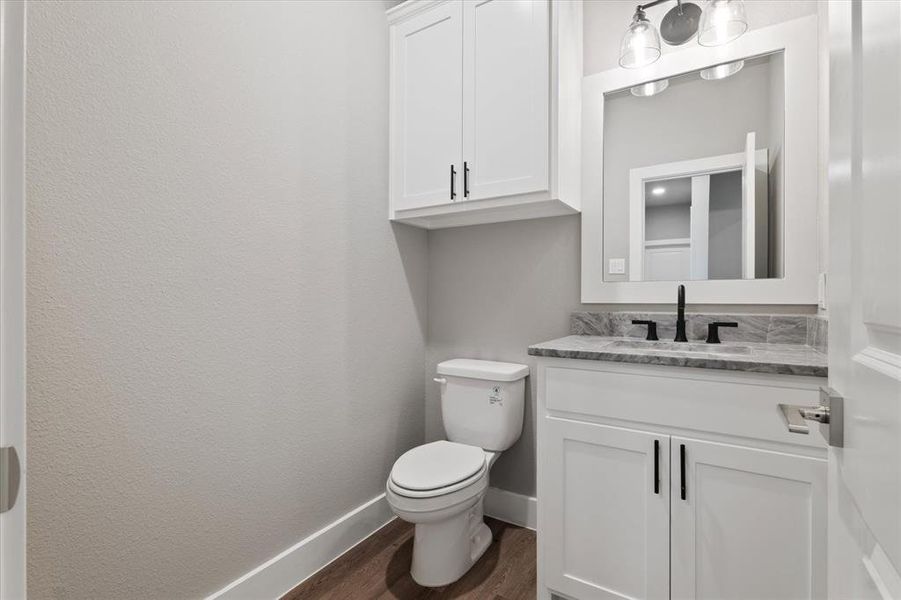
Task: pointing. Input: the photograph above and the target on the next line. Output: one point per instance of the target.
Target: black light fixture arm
(643, 7)
(678, 25)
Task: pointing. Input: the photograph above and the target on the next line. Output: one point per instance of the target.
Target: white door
(606, 511)
(754, 210)
(506, 87)
(667, 262)
(699, 223)
(748, 208)
(864, 293)
(746, 523)
(427, 123)
(12, 300)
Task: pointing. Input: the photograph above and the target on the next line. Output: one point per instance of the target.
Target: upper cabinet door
(604, 511)
(746, 523)
(427, 111)
(506, 87)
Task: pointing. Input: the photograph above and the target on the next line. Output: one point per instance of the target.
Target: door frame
(12, 285)
(638, 177)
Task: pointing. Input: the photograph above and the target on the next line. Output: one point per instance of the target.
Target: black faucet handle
(652, 328)
(713, 330)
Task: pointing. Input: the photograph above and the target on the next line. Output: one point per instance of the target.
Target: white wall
(226, 335)
(495, 289)
(668, 222)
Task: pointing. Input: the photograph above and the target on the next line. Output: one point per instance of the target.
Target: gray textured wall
(724, 242)
(495, 289)
(225, 334)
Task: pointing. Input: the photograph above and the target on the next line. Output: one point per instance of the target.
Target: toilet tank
(482, 402)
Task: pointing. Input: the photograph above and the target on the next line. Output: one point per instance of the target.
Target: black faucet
(680, 316)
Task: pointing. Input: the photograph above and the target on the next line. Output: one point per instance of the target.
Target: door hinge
(10, 475)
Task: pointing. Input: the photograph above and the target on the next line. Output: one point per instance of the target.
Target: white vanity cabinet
(672, 482)
(485, 110)
(604, 530)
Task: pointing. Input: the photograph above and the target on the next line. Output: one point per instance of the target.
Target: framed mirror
(702, 169)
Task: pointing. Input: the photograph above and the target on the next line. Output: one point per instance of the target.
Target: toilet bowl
(450, 531)
(440, 486)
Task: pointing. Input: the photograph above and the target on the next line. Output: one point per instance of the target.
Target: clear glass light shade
(650, 88)
(721, 22)
(722, 71)
(641, 44)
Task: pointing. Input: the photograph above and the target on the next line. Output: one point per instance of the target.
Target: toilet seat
(437, 469)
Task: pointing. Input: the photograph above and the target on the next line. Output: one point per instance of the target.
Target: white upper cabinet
(485, 110)
(505, 97)
(427, 105)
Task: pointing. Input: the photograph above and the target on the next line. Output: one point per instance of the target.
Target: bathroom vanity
(669, 467)
(672, 473)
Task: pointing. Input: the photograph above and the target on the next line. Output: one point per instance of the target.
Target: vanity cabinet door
(506, 89)
(749, 523)
(605, 521)
(427, 108)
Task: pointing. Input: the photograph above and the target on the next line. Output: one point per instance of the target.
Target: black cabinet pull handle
(465, 179)
(453, 183)
(656, 466)
(682, 467)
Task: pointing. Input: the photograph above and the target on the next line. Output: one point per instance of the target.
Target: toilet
(440, 486)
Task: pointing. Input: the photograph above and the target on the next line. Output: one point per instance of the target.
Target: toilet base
(444, 551)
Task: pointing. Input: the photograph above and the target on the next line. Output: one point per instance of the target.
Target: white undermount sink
(652, 346)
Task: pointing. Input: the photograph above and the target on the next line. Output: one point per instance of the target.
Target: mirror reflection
(692, 175)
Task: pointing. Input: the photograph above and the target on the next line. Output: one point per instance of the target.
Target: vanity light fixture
(720, 22)
(658, 191)
(641, 44)
(650, 88)
(722, 71)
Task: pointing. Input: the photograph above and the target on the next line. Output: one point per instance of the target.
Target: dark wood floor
(379, 567)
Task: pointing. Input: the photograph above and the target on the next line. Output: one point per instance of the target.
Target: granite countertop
(757, 357)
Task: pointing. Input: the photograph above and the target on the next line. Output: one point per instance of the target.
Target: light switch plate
(617, 266)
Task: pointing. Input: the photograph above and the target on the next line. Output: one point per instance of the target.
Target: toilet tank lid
(483, 369)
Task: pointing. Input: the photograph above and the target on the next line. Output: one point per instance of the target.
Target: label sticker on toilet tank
(494, 396)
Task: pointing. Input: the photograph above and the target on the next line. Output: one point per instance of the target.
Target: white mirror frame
(798, 40)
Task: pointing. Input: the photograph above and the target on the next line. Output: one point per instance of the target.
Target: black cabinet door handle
(656, 466)
(453, 183)
(682, 467)
(465, 179)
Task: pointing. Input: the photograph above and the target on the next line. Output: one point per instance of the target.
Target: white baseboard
(511, 507)
(280, 574)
